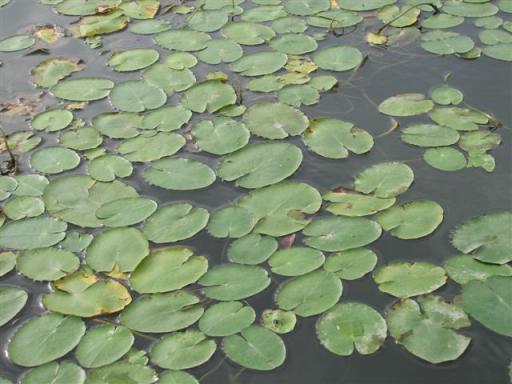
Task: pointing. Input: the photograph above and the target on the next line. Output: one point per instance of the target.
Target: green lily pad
(108, 167)
(350, 326)
(309, 294)
(231, 222)
(182, 350)
(210, 96)
(150, 27)
(31, 233)
(175, 222)
(16, 43)
(445, 159)
(346, 202)
(427, 328)
(411, 220)
(295, 261)
(279, 209)
(462, 269)
(385, 180)
(208, 20)
(339, 58)
(169, 79)
(351, 264)
(406, 104)
(247, 33)
(252, 249)
(341, 233)
(298, 94)
(7, 262)
(446, 42)
(275, 120)
(23, 206)
(409, 279)
(55, 373)
(333, 138)
(120, 125)
(259, 63)
(177, 377)
(13, 300)
(161, 313)
(221, 135)
(133, 59)
(225, 319)
(461, 119)
(83, 89)
(230, 282)
(294, 44)
(499, 51)
(429, 135)
(366, 5)
(124, 371)
(220, 51)
(49, 72)
(151, 275)
(136, 96)
(52, 120)
(254, 165)
(490, 303)
(442, 21)
(120, 249)
(45, 338)
(183, 40)
(47, 264)
(334, 19)
(278, 321)
(486, 238)
(179, 174)
(469, 9)
(52, 160)
(152, 146)
(255, 348)
(126, 211)
(167, 118)
(103, 345)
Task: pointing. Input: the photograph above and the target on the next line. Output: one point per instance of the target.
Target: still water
(486, 84)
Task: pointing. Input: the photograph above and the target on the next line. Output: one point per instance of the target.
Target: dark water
(486, 84)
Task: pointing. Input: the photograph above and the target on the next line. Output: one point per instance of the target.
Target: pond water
(486, 84)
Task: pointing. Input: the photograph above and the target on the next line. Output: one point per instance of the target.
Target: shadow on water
(486, 84)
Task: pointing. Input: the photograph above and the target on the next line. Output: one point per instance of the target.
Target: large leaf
(12, 301)
(37, 232)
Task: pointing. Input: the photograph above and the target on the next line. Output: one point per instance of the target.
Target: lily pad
(462, 269)
(49, 72)
(179, 174)
(31, 233)
(125, 211)
(210, 96)
(52, 160)
(427, 328)
(52, 120)
(275, 120)
(16, 43)
(221, 135)
(256, 348)
(225, 319)
(230, 282)
(385, 180)
(83, 89)
(55, 373)
(346, 202)
(351, 264)
(151, 275)
(445, 159)
(429, 135)
(259, 63)
(486, 238)
(136, 96)
(47, 264)
(252, 249)
(231, 222)
(23, 206)
(350, 326)
(309, 294)
(339, 58)
(247, 33)
(108, 167)
(151, 147)
(278, 321)
(446, 42)
(133, 59)
(409, 279)
(254, 165)
(406, 104)
(183, 40)
(12, 300)
(295, 261)
(45, 338)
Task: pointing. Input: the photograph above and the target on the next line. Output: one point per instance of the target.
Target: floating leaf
(256, 348)
(231, 222)
(84, 295)
(177, 377)
(167, 118)
(351, 203)
(83, 89)
(36, 232)
(55, 373)
(279, 209)
(294, 44)
(168, 79)
(278, 321)
(225, 319)
(427, 328)
(234, 282)
(351, 325)
(334, 138)
(151, 275)
(499, 51)
(107, 168)
(462, 269)
(151, 147)
(182, 350)
(23, 206)
(254, 166)
(260, 63)
(252, 249)
(45, 338)
(406, 104)
(446, 42)
(446, 95)
(49, 72)
(461, 119)
(7, 262)
(133, 59)
(183, 40)
(16, 43)
(351, 264)
(429, 135)
(366, 5)
(295, 261)
(160, 313)
(103, 345)
(126, 211)
(179, 174)
(210, 96)
(385, 180)
(409, 279)
(309, 294)
(136, 96)
(52, 120)
(339, 59)
(275, 120)
(12, 300)
(175, 222)
(247, 33)
(124, 371)
(411, 220)
(47, 264)
(486, 238)
(221, 135)
(220, 51)
(341, 233)
(52, 160)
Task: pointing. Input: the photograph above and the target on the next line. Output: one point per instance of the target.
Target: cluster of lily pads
(109, 253)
